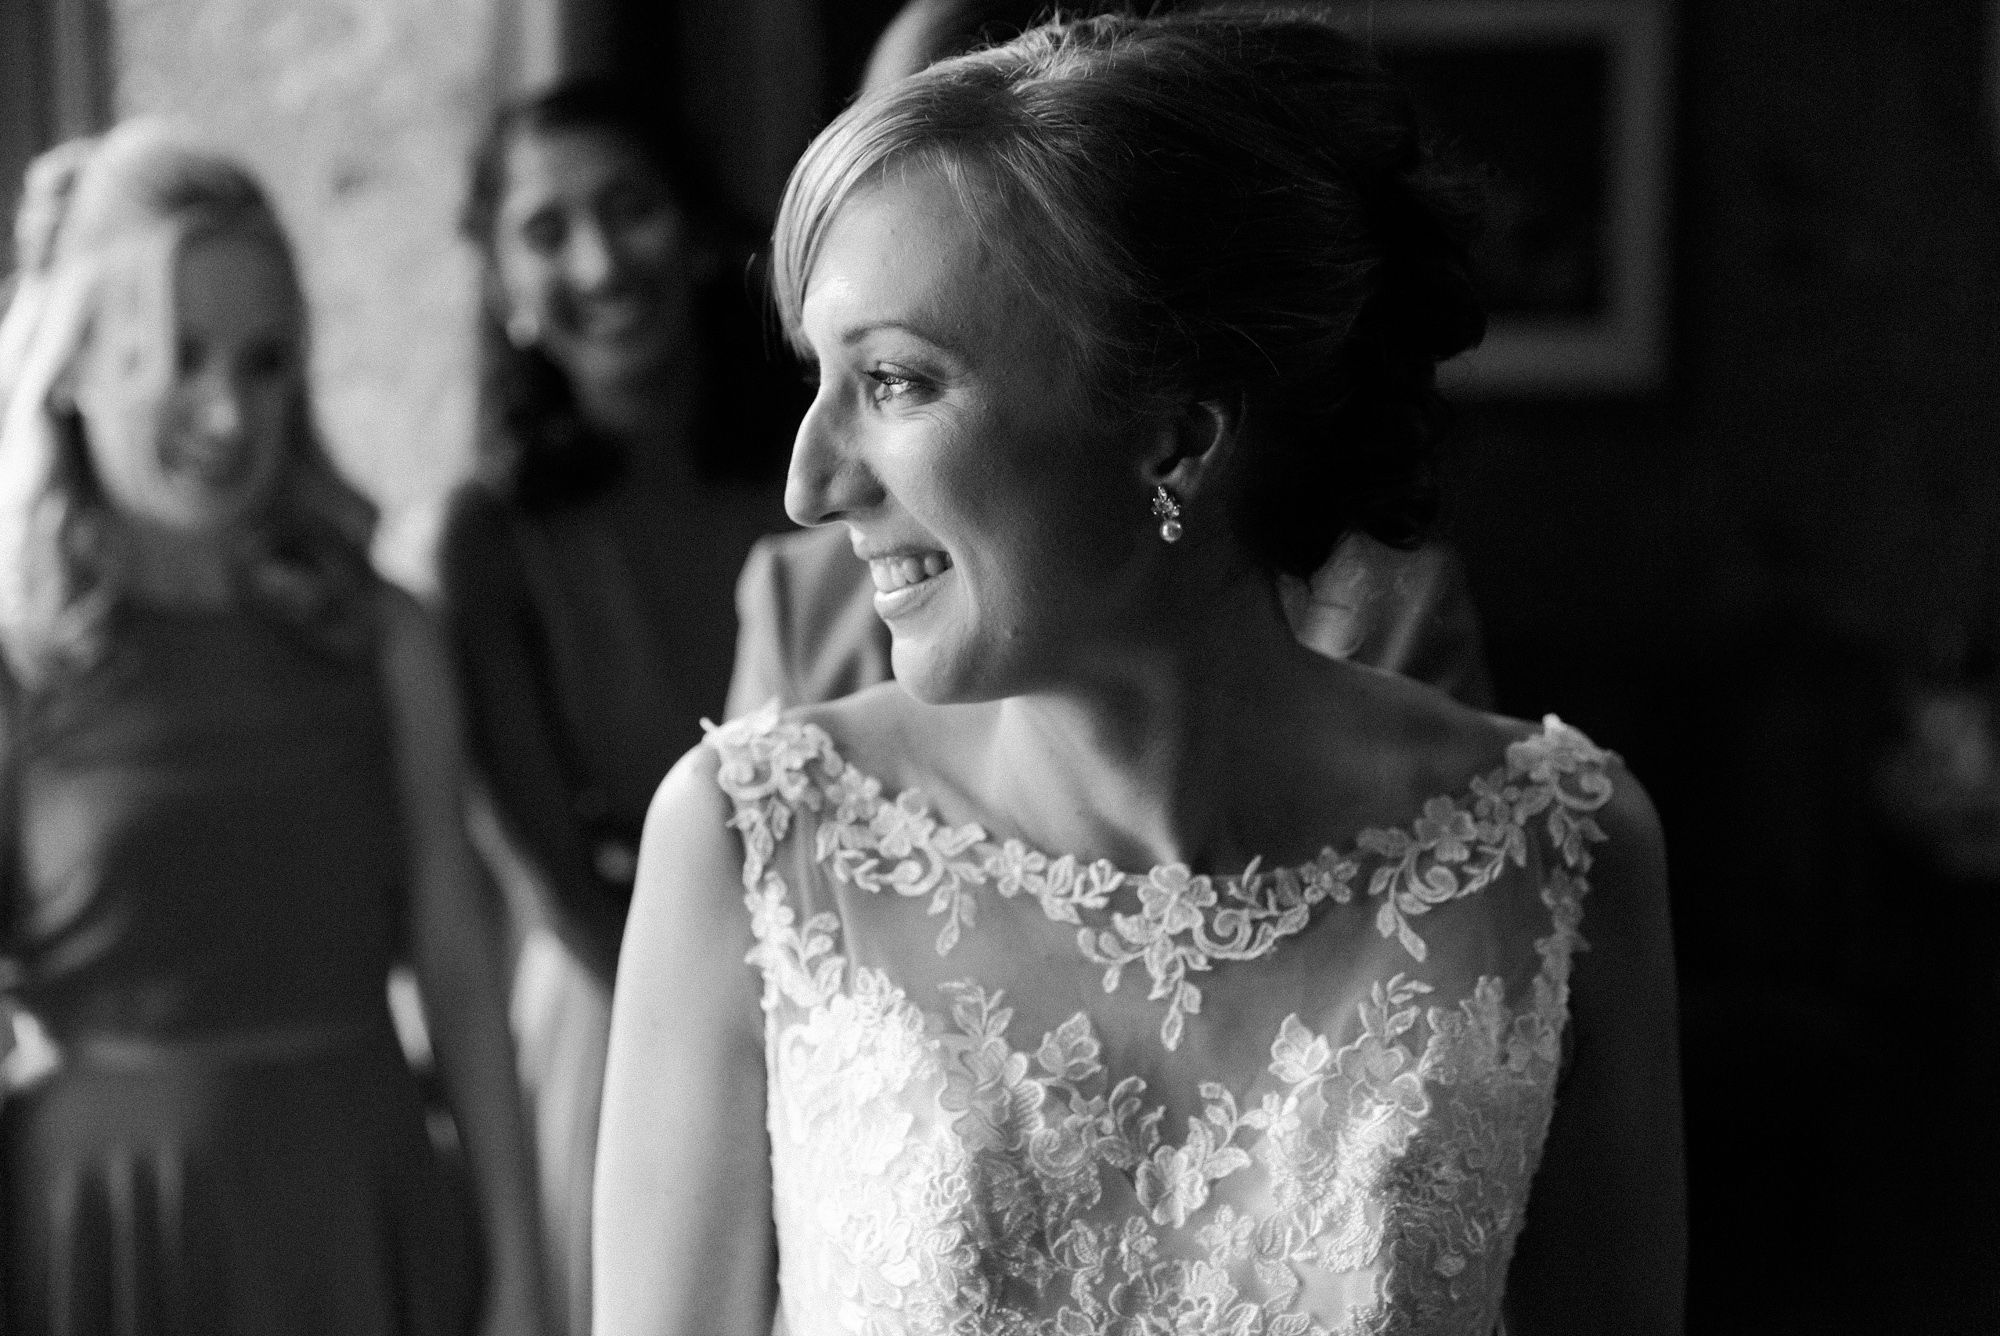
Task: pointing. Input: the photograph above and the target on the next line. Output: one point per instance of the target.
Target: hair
(534, 445)
(144, 194)
(924, 32)
(45, 190)
(1233, 205)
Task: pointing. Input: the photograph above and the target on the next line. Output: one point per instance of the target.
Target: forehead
(906, 250)
(544, 165)
(234, 280)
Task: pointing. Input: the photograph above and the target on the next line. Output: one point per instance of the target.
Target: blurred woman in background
(631, 441)
(232, 795)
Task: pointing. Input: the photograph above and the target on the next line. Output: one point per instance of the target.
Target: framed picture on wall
(1564, 105)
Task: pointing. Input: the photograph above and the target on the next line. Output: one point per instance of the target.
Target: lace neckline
(1458, 846)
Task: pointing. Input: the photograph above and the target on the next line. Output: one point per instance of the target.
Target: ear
(1193, 446)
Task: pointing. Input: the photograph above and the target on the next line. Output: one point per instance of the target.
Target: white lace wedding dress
(1014, 1093)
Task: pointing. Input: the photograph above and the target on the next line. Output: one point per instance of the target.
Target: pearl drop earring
(1168, 512)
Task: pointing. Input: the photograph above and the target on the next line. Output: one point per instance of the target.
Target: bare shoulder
(687, 823)
(884, 708)
(1387, 741)
(1628, 872)
(894, 737)
(1625, 843)
(689, 882)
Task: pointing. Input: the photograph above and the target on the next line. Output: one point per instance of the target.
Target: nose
(591, 261)
(220, 412)
(827, 480)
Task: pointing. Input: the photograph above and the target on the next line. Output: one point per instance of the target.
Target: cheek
(655, 246)
(123, 430)
(271, 416)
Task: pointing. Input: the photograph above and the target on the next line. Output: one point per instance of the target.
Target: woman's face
(1001, 524)
(591, 254)
(189, 388)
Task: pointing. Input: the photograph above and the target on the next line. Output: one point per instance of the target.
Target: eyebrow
(854, 334)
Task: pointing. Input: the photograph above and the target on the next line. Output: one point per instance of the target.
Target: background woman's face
(1000, 521)
(591, 253)
(189, 388)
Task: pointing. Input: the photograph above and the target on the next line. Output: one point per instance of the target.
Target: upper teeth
(893, 573)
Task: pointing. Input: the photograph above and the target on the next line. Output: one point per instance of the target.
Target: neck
(1142, 763)
(650, 414)
(180, 570)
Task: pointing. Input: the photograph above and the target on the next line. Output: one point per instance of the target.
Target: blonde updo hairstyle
(143, 195)
(1232, 206)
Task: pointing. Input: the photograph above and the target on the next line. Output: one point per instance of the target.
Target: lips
(614, 317)
(214, 462)
(906, 580)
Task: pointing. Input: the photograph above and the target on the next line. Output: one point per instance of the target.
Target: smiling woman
(1116, 325)
(231, 773)
(627, 464)
(204, 448)
(944, 387)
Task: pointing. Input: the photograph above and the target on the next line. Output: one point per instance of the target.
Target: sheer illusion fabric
(1010, 1092)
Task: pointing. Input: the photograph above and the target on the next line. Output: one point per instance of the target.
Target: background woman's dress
(212, 874)
(591, 637)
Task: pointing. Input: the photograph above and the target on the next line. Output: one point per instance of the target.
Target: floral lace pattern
(932, 1177)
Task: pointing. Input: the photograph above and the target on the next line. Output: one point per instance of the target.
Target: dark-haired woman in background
(1125, 965)
(586, 570)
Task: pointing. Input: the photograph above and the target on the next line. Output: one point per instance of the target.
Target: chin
(215, 514)
(615, 360)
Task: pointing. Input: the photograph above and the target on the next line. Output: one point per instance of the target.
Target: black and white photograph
(999, 668)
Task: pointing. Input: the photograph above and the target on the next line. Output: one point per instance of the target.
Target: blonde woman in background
(232, 798)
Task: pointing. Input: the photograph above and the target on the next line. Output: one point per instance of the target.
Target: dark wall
(55, 82)
(1744, 584)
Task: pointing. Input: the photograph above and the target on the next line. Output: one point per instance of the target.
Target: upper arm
(512, 724)
(683, 1198)
(488, 621)
(424, 706)
(1605, 1244)
(444, 877)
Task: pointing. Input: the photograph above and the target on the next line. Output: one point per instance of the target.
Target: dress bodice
(210, 833)
(1011, 1093)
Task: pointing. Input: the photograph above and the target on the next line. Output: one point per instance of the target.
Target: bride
(1124, 965)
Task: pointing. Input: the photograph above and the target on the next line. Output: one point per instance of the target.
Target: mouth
(618, 317)
(905, 579)
(215, 464)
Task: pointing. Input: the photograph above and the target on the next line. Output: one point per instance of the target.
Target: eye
(629, 205)
(543, 232)
(809, 374)
(890, 385)
(187, 355)
(268, 361)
